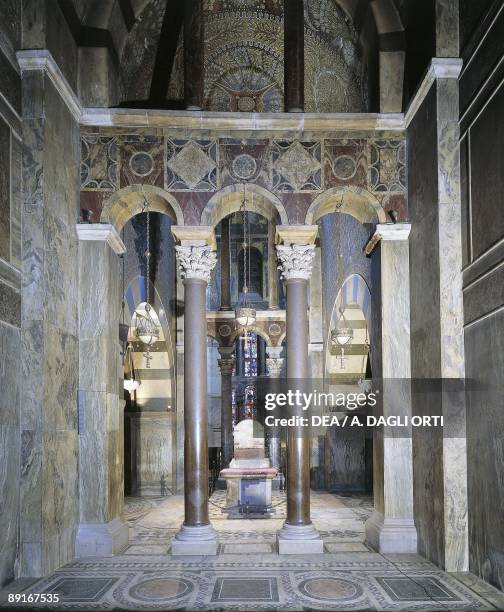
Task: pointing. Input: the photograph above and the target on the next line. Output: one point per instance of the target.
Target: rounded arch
(229, 199)
(253, 329)
(354, 201)
(129, 201)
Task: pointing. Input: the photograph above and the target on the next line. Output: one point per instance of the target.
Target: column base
(195, 540)
(101, 539)
(391, 535)
(299, 540)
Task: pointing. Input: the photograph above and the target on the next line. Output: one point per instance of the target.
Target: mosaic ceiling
(244, 57)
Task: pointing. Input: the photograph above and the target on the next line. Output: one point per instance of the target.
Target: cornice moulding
(101, 232)
(41, 59)
(439, 68)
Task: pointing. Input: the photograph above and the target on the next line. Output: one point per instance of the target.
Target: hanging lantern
(245, 315)
(131, 384)
(342, 335)
(146, 329)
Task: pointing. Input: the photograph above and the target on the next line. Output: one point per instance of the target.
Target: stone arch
(254, 329)
(354, 201)
(228, 200)
(128, 202)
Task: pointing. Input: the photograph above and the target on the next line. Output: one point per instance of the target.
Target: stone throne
(249, 476)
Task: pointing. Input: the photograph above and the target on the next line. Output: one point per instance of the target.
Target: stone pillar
(274, 364)
(272, 268)
(193, 55)
(101, 531)
(294, 56)
(298, 535)
(226, 364)
(225, 266)
(391, 528)
(196, 259)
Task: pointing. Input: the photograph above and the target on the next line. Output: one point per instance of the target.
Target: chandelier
(342, 335)
(130, 384)
(245, 315)
(146, 329)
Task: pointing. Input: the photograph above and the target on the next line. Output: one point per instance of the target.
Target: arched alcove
(229, 200)
(354, 201)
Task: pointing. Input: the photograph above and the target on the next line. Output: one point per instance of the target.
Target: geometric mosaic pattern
(99, 162)
(191, 165)
(296, 166)
(388, 166)
(248, 574)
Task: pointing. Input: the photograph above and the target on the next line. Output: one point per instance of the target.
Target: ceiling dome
(244, 67)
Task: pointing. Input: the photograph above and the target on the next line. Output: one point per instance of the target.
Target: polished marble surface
(248, 574)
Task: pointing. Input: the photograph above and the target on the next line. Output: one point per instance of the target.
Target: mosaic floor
(248, 574)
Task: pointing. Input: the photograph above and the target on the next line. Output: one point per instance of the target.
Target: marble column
(225, 266)
(101, 483)
(294, 55)
(295, 254)
(391, 528)
(226, 364)
(272, 268)
(274, 365)
(193, 55)
(196, 259)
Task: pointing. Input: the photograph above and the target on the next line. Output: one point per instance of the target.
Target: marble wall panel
(345, 460)
(296, 165)
(10, 441)
(191, 165)
(346, 162)
(99, 162)
(11, 83)
(5, 189)
(244, 160)
(142, 160)
(10, 304)
(16, 201)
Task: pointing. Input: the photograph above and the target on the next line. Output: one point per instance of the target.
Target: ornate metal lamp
(342, 335)
(146, 329)
(245, 315)
(131, 384)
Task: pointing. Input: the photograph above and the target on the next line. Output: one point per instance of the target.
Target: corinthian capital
(196, 262)
(296, 261)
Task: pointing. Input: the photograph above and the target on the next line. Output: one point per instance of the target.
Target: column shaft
(225, 266)
(391, 528)
(272, 268)
(195, 408)
(226, 364)
(294, 55)
(298, 443)
(193, 54)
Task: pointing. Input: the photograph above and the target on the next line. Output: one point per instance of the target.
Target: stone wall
(425, 327)
(482, 134)
(49, 329)
(10, 286)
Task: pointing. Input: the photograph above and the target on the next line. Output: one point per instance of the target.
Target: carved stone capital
(296, 261)
(196, 262)
(274, 365)
(226, 366)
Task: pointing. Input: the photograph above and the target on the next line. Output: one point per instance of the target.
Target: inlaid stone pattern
(245, 160)
(296, 165)
(345, 162)
(191, 165)
(192, 169)
(142, 160)
(99, 162)
(387, 175)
